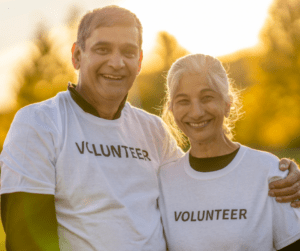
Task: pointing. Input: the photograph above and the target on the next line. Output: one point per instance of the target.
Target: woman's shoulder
(264, 160)
(259, 155)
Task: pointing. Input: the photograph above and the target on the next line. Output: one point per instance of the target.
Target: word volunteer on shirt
(205, 215)
(119, 151)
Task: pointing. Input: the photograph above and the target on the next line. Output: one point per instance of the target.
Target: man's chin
(114, 96)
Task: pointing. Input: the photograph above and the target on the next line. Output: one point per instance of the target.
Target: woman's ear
(228, 107)
(227, 112)
(76, 56)
(170, 108)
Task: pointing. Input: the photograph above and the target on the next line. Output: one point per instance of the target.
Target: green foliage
(271, 74)
(40, 76)
(281, 64)
(44, 74)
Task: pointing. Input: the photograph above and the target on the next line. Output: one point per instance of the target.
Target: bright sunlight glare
(214, 27)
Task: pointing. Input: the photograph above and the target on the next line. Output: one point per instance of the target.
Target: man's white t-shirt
(228, 209)
(103, 173)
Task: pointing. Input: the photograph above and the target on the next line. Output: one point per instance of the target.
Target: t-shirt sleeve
(170, 151)
(286, 220)
(28, 156)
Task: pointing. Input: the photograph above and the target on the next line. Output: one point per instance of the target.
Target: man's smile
(112, 77)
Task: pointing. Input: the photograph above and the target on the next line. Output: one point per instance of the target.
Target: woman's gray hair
(216, 76)
(203, 65)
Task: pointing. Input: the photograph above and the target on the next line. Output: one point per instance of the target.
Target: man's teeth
(202, 124)
(113, 77)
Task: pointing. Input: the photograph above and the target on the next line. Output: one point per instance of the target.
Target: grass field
(288, 153)
(2, 239)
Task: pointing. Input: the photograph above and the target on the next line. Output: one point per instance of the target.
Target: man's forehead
(126, 34)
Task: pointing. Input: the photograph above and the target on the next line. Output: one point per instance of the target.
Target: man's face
(109, 64)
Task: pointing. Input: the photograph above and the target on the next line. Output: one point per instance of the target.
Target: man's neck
(107, 109)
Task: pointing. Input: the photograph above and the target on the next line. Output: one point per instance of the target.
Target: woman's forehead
(194, 82)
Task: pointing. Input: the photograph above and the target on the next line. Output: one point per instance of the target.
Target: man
(79, 171)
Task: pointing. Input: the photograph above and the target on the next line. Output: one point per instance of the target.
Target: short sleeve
(169, 149)
(29, 155)
(286, 224)
(286, 219)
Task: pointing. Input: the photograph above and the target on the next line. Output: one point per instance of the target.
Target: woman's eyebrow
(208, 90)
(181, 95)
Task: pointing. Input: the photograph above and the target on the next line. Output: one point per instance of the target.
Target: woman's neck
(213, 148)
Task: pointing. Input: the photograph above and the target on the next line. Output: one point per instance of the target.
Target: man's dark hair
(108, 16)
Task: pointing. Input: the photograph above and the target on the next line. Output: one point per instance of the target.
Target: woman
(234, 212)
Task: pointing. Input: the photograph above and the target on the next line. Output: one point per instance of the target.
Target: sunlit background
(258, 42)
(214, 27)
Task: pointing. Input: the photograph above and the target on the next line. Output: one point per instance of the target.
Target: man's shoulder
(142, 114)
(41, 110)
(174, 166)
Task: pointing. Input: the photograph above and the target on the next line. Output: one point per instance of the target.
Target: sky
(214, 27)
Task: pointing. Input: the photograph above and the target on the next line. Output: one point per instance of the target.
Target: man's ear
(76, 56)
(140, 62)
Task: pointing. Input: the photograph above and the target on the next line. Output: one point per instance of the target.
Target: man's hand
(288, 189)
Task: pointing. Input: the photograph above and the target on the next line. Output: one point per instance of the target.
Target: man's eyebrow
(100, 43)
(133, 46)
(104, 43)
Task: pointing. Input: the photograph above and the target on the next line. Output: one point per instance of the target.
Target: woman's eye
(183, 102)
(207, 98)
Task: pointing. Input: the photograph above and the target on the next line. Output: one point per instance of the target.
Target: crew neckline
(87, 107)
(214, 174)
(96, 119)
(210, 164)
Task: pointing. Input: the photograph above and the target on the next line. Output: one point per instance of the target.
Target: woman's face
(199, 110)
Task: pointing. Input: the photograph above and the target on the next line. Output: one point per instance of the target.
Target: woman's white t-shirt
(228, 209)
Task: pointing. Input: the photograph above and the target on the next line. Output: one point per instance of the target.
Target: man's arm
(294, 246)
(288, 189)
(29, 221)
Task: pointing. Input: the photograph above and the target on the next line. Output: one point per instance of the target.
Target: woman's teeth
(199, 125)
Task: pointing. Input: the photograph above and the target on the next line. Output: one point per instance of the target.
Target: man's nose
(116, 61)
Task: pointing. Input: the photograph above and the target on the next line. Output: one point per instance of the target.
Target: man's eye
(130, 53)
(102, 50)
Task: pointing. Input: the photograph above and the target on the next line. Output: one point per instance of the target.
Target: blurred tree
(272, 104)
(151, 82)
(40, 76)
(44, 74)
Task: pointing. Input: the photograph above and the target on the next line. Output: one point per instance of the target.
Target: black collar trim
(87, 107)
